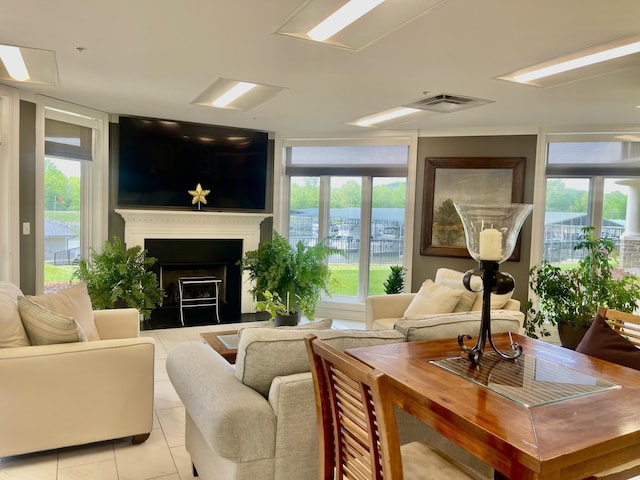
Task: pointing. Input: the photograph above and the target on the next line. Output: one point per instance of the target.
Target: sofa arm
(76, 392)
(386, 306)
(117, 323)
(293, 401)
(235, 420)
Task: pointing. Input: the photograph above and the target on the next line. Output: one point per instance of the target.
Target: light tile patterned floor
(162, 457)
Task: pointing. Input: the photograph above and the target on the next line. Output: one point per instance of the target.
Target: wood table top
(570, 438)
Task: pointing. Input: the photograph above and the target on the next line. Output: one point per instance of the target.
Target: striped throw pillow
(45, 327)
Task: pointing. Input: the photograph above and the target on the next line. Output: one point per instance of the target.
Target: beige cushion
(449, 277)
(450, 326)
(45, 327)
(266, 353)
(497, 301)
(12, 332)
(73, 302)
(432, 299)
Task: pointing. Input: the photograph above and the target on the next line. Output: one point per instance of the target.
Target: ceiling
(153, 58)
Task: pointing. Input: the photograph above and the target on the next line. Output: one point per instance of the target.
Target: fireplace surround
(182, 230)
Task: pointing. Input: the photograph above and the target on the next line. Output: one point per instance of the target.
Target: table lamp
(491, 231)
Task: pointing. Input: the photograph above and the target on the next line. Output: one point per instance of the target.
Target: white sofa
(383, 311)
(66, 394)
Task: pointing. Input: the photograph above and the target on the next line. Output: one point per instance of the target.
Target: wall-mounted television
(160, 160)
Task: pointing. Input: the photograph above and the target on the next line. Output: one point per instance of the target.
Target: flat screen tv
(160, 160)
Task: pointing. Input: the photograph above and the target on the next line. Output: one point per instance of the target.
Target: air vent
(446, 103)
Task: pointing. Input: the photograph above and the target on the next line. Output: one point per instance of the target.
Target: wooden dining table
(551, 414)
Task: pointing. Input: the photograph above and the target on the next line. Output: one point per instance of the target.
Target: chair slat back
(626, 324)
(356, 424)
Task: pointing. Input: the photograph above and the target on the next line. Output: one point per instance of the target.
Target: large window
(589, 183)
(355, 197)
(72, 189)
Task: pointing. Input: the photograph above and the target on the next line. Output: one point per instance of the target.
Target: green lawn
(57, 274)
(346, 278)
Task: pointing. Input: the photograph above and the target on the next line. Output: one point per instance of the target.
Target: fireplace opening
(180, 258)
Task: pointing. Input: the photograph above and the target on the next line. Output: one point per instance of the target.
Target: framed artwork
(465, 180)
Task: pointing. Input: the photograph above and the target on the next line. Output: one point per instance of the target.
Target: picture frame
(467, 180)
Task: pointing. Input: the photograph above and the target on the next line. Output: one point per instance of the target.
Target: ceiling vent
(446, 103)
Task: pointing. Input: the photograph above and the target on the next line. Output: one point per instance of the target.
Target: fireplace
(194, 257)
(232, 233)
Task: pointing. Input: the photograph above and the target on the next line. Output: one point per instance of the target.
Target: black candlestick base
(493, 281)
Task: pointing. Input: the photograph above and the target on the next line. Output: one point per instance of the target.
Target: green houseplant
(571, 297)
(118, 277)
(286, 279)
(395, 281)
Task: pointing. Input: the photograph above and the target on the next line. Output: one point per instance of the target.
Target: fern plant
(395, 281)
(116, 278)
(299, 273)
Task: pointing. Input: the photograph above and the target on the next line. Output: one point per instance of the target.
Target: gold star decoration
(199, 195)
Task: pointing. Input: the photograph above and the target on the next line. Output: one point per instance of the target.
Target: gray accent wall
(486, 146)
(27, 196)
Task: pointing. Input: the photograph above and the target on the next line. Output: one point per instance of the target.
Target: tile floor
(162, 457)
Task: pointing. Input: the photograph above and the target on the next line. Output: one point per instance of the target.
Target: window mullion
(365, 236)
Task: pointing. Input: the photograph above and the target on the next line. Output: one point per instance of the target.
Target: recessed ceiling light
(352, 24)
(341, 18)
(385, 116)
(28, 65)
(235, 94)
(14, 63)
(562, 69)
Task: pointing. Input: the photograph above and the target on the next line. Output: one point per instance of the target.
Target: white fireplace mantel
(143, 224)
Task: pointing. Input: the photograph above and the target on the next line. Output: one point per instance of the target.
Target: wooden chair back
(626, 324)
(356, 424)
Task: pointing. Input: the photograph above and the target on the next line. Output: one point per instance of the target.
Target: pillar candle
(490, 243)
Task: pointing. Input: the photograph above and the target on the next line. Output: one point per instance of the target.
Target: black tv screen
(160, 160)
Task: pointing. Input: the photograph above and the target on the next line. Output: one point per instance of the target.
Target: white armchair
(67, 394)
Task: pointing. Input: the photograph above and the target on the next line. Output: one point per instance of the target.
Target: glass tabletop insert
(529, 380)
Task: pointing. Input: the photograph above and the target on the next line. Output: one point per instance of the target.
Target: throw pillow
(447, 276)
(453, 279)
(45, 327)
(73, 302)
(497, 301)
(604, 342)
(432, 299)
(12, 332)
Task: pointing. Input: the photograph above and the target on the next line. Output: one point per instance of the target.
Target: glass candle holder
(491, 229)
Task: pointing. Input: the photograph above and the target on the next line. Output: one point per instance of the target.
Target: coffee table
(222, 342)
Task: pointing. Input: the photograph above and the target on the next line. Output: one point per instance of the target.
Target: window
(591, 181)
(71, 183)
(355, 195)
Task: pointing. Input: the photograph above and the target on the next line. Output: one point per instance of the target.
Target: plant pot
(287, 320)
(571, 336)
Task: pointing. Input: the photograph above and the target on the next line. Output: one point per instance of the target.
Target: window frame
(94, 177)
(596, 173)
(348, 308)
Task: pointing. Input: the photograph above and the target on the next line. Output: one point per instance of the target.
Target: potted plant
(118, 278)
(288, 280)
(569, 298)
(395, 281)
